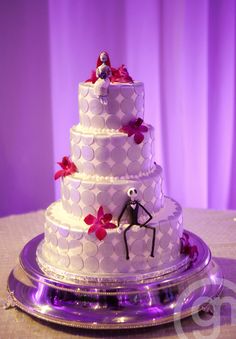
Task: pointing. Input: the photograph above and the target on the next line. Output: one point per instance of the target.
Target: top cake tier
(125, 103)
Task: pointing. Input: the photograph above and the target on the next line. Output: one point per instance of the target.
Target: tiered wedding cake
(113, 220)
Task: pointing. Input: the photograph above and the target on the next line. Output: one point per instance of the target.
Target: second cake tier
(111, 153)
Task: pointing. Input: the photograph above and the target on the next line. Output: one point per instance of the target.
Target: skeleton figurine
(103, 73)
(132, 207)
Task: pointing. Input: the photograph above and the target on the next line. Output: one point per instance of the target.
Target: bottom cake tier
(68, 251)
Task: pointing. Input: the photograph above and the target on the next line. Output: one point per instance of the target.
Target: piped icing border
(119, 180)
(59, 274)
(101, 131)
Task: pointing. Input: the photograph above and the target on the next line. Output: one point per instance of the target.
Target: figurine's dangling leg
(103, 99)
(153, 239)
(126, 243)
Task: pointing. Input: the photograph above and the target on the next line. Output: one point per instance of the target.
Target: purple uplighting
(183, 51)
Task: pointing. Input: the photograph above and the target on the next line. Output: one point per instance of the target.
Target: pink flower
(187, 248)
(99, 224)
(68, 168)
(121, 74)
(93, 77)
(135, 128)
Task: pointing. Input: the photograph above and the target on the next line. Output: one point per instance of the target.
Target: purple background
(184, 52)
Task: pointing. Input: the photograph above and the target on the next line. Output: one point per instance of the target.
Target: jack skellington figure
(132, 207)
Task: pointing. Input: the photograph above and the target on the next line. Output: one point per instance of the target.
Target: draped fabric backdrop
(184, 52)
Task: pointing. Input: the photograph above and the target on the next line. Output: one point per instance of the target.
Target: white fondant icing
(109, 163)
(113, 194)
(124, 102)
(117, 149)
(108, 256)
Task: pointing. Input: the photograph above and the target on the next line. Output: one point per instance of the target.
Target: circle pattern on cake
(101, 154)
(124, 104)
(89, 196)
(109, 163)
(77, 249)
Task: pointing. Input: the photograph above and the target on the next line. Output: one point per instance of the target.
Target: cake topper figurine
(108, 74)
(132, 207)
(103, 74)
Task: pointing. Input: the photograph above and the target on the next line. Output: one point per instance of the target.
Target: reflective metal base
(115, 305)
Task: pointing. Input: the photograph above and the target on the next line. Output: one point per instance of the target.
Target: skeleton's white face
(132, 193)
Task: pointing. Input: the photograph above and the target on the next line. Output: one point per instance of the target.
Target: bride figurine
(103, 73)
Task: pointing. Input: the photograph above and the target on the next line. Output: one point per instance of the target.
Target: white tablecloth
(216, 228)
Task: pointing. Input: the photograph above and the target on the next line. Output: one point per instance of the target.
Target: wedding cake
(113, 221)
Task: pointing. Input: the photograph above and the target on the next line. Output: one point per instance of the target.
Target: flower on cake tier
(136, 128)
(68, 168)
(187, 248)
(100, 223)
(121, 74)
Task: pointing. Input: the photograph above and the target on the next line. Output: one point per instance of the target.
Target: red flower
(68, 168)
(100, 223)
(121, 74)
(187, 248)
(93, 77)
(136, 128)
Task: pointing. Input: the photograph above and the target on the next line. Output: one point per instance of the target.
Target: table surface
(216, 228)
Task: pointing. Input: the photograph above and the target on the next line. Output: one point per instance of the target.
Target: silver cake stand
(115, 305)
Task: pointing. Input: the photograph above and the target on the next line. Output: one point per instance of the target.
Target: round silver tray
(115, 305)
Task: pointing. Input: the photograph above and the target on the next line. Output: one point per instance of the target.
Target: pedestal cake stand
(115, 305)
